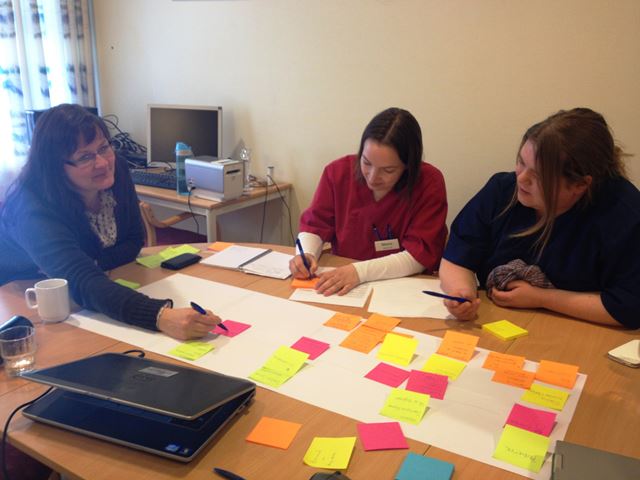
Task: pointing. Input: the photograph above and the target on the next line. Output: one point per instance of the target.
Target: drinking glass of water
(18, 349)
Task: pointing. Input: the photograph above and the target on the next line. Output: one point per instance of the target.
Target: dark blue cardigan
(37, 239)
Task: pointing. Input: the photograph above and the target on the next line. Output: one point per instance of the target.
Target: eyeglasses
(88, 160)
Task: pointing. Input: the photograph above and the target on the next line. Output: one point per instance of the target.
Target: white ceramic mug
(51, 298)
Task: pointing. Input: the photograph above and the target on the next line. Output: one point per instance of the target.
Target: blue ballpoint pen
(227, 474)
(304, 259)
(202, 311)
(375, 230)
(444, 295)
(389, 232)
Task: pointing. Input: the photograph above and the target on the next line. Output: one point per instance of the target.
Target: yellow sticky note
(522, 448)
(397, 349)
(381, 322)
(219, 246)
(191, 350)
(546, 396)
(274, 433)
(458, 345)
(363, 339)
(405, 405)
(444, 366)
(343, 321)
(498, 361)
(504, 329)
(127, 283)
(561, 374)
(280, 367)
(328, 452)
(150, 261)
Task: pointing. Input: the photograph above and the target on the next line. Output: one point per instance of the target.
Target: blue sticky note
(417, 467)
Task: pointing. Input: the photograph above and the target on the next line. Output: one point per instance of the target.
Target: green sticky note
(444, 366)
(332, 453)
(150, 261)
(522, 448)
(191, 350)
(171, 252)
(127, 283)
(504, 330)
(280, 367)
(405, 405)
(397, 349)
(546, 396)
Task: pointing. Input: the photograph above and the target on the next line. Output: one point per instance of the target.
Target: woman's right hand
(463, 310)
(186, 323)
(298, 270)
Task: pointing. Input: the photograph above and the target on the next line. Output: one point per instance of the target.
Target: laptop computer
(161, 408)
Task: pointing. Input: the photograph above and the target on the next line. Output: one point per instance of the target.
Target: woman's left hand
(519, 294)
(340, 281)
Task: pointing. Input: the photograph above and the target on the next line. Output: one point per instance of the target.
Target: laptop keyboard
(154, 179)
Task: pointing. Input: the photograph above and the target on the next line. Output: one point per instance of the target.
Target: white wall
(299, 79)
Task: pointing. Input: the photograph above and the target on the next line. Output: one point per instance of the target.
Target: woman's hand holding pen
(463, 310)
(298, 269)
(340, 280)
(186, 323)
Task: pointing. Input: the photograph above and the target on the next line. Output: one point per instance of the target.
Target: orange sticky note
(498, 361)
(219, 246)
(363, 339)
(381, 322)
(515, 377)
(274, 433)
(560, 374)
(458, 345)
(304, 283)
(343, 321)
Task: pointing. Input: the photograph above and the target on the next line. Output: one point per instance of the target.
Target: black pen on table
(227, 474)
(444, 295)
(304, 259)
(202, 311)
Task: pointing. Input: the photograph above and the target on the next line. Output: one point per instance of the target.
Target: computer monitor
(200, 127)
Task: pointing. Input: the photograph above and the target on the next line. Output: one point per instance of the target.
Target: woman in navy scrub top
(569, 218)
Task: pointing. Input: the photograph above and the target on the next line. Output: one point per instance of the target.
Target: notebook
(161, 408)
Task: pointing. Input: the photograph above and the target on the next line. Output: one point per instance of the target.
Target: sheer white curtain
(45, 59)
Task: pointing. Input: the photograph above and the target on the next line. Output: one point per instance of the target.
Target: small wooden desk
(607, 416)
(166, 198)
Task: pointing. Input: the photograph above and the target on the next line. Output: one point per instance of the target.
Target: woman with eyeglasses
(384, 207)
(73, 213)
(562, 232)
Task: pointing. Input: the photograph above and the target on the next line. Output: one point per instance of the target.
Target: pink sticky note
(313, 347)
(381, 436)
(388, 375)
(430, 383)
(532, 419)
(235, 328)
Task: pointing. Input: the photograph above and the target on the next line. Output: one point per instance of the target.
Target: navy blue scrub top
(591, 249)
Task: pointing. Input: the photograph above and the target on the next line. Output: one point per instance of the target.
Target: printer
(214, 179)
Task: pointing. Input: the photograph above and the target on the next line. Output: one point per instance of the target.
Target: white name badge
(384, 245)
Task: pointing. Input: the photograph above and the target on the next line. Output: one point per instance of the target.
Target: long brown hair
(400, 130)
(570, 144)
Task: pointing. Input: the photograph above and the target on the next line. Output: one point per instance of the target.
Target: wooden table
(607, 416)
(211, 210)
